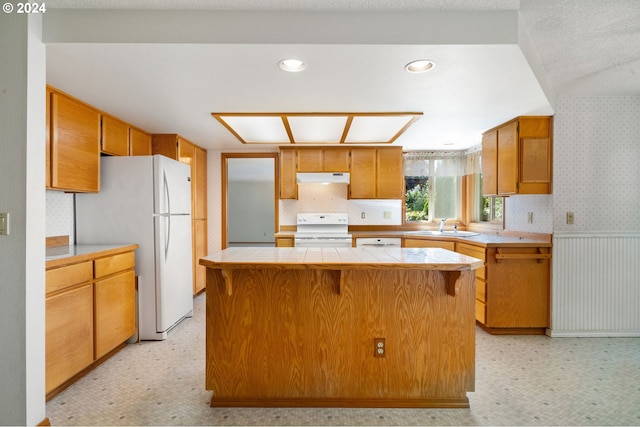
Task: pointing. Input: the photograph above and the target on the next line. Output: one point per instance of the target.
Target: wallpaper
(322, 198)
(60, 215)
(597, 164)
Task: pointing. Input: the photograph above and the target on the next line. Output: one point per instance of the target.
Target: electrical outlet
(4, 224)
(530, 217)
(569, 217)
(362, 215)
(379, 347)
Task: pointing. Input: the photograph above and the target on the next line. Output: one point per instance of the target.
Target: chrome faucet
(442, 221)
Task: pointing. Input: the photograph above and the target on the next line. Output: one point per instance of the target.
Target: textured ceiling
(171, 80)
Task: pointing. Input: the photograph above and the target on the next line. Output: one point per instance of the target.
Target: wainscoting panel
(595, 284)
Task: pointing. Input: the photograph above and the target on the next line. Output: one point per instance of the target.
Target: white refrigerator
(146, 200)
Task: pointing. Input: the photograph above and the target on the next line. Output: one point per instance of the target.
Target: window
(486, 209)
(432, 186)
(491, 209)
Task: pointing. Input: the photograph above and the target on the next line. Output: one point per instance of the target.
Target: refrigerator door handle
(166, 191)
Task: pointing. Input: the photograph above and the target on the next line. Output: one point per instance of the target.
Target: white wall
(22, 119)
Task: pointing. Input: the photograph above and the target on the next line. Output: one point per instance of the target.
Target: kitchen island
(348, 327)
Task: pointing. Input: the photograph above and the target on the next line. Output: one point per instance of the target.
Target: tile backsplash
(60, 215)
(333, 198)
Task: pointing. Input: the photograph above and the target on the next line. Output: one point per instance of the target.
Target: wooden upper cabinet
(310, 159)
(287, 172)
(323, 159)
(47, 140)
(75, 145)
(376, 173)
(165, 144)
(508, 159)
(139, 142)
(389, 175)
(523, 154)
(336, 159)
(363, 174)
(199, 183)
(114, 136)
(186, 151)
(490, 163)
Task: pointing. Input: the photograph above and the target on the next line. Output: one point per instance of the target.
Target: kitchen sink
(444, 233)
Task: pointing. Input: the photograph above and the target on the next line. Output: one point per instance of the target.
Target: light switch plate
(4, 224)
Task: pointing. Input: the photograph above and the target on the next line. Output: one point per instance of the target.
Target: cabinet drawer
(481, 290)
(426, 243)
(284, 242)
(113, 264)
(62, 277)
(475, 252)
(481, 312)
(471, 250)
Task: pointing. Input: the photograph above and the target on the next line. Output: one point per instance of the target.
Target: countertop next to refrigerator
(61, 255)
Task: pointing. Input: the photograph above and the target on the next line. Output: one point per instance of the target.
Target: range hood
(322, 177)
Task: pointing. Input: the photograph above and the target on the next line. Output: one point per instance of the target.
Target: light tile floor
(520, 380)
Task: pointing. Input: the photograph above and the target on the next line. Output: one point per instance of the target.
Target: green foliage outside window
(417, 198)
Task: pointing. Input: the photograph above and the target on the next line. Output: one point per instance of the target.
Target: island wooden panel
(305, 337)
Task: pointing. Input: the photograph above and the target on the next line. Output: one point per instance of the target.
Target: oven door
(322, 242)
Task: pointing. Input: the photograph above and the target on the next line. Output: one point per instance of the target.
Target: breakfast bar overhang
(340, 327)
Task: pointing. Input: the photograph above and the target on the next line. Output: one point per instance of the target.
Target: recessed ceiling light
(292, 65)
(420, 66)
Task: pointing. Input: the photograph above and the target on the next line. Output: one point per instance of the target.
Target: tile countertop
(339, 258)
(485, 240)
(62, 255)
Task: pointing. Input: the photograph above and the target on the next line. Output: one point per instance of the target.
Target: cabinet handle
(539, 256)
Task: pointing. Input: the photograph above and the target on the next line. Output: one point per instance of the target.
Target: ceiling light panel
(372, 129)
(257, 129)
(317, 129)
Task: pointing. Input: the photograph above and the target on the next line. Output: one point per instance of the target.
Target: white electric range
(322, 230)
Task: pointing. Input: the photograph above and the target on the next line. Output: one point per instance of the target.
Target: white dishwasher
(386, 242)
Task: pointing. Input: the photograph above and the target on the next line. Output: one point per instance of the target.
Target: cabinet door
(288, 185)
(508, 159)
(199, 183)
(336, 160)
(535, 167)
(115, 311)
(165, 144)
(139, 143)
(69, 335)
(200, 249)
(389, 176)
(114, 136)
(47, 141)
(490, 163)
(310, 160)
(363, 174)
(75, 145)
(518, 288)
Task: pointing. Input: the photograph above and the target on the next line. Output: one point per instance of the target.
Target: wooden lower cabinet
(90, 310)
(512, 288)
(115, 311)
(68, 334)
(200, 249)
(285, 242)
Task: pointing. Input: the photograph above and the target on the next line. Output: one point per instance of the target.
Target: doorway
(249, 199)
